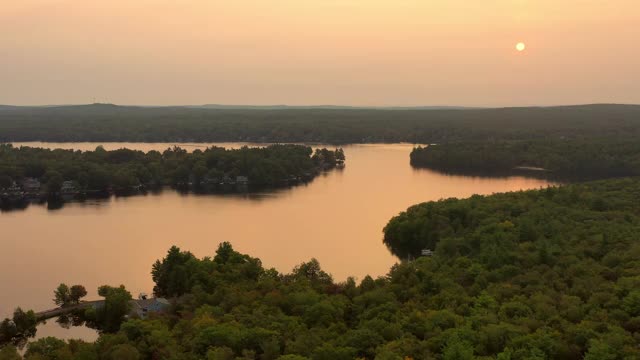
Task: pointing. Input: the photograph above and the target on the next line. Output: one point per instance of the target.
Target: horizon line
(382, 107)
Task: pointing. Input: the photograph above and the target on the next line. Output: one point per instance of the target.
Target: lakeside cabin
(68, 187)
(426, 252)
(242, 180)
(423, 252)
(31, 185)
(12, 193)
(143, 306)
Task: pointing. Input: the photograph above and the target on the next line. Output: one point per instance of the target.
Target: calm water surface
(337, 218)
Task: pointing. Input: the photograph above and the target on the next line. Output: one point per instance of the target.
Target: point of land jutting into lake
(30, 174)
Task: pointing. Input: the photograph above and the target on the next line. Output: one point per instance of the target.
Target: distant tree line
(200, 170)
(104, 122)
(562, 159)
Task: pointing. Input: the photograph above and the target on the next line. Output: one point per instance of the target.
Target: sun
(520, 46)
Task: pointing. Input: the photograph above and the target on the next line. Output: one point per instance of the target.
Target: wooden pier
(48, 314)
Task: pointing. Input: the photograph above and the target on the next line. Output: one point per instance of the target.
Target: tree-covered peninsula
(543, 274)
(565, 159)
(28, 172)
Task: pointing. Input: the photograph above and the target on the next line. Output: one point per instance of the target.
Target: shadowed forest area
(560, 159)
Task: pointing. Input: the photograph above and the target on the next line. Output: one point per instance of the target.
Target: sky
(312, 52)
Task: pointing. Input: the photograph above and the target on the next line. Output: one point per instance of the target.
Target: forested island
(28, 173)
(335, 125)
(564, 159)
(543, 274)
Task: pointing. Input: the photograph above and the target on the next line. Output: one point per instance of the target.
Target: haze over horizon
(343, 53)
(212, 105)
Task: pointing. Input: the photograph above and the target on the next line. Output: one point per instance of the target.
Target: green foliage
(5, 181)
(117, 304)
(53, 180)
(19, 328)
(562, 158)
(9, 352)
(179, 272)
(124, 170)
(631, 303)
(25, 322)
(8, 331)
(76, 293)
(457, 349)
(62, 295)
(292, 357)
(124, 352)
(329, 352)
(47, 348)
(66, 296)
(600, 351)
(549, 272)
(105, 122)
(171, 274)
(220, 353)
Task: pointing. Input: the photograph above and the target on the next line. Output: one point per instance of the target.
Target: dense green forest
(124, 169)
(557, 269)
(563, 159)
(104, 122)
(543, 274)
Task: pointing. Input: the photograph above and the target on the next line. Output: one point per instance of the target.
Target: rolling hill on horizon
(109, 122)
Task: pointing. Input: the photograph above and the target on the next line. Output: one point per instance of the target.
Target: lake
(337, 218)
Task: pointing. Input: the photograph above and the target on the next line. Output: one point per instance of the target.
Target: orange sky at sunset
(346, 52)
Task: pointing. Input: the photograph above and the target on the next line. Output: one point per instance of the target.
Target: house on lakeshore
(426, 252)
(31, 185)
(211, 180)
(68, 187)
(14, 188)
(242, 180)
(143, 306)
(12, 193)
(68, 191)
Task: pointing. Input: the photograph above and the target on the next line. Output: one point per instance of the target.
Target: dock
(51, 313)
(139, 307)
